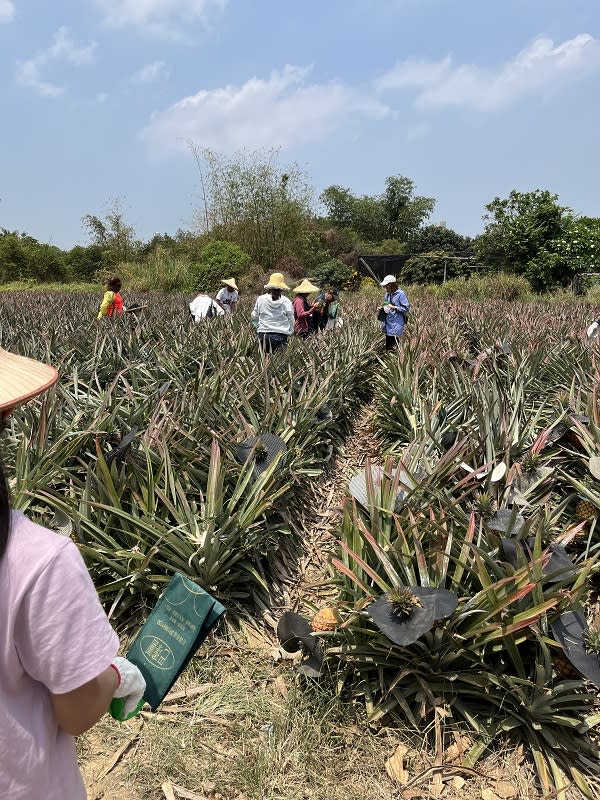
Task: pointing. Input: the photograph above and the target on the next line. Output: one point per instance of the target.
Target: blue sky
(469, 98)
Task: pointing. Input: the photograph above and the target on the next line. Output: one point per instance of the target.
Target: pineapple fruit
(585, 511)
(326, 619)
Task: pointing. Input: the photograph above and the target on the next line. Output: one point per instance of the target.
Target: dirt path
(317, 527)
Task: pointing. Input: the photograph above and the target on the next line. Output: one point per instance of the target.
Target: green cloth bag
(178, 624)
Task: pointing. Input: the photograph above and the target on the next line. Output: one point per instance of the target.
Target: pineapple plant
(484, 505)
(591, 640)
(403, 602)
(530, 461)
(260, 452)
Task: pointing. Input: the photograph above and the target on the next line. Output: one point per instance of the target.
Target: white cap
(388, 279)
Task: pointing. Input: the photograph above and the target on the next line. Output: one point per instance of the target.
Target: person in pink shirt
(303, 310)
(58, 665)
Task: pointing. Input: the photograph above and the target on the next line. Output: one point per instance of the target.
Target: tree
(112, 234)
(520, 237)
(22, 257)
(436, 238)
(395, 214)
(250, 199)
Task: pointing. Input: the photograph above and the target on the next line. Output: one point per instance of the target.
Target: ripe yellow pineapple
(326, 619)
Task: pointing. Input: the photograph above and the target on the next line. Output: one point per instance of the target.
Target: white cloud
(7, 11)
(151, 73)
(63, 48)
(280, 111)
(540, 67)
(164, 18)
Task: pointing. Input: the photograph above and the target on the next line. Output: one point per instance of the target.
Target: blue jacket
(395, 320)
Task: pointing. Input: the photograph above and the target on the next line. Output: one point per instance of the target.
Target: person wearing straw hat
(58, 665)
(303, 310)
(273, 314)
(228, 295)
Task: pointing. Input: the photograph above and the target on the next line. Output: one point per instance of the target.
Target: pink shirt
(54, 637)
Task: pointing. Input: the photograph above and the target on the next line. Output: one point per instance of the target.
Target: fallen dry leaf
(185, 793)
(281, 686)
(120, 752)
(458, 782)
(489, 794)
(394, 766)
(168, 792)
(505, 790)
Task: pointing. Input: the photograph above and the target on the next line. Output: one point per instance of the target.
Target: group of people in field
(275, 316)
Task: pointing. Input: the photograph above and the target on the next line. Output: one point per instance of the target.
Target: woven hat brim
(231, 283)
(282, 286)
(22, 379)
(306, 287)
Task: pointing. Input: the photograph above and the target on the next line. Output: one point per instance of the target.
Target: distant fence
(381, 266)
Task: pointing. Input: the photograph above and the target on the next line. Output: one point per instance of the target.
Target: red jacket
(116, 307)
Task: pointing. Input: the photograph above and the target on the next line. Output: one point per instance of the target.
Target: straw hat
(231, 283)
(306, 287)
(22, 379)
(276, 282)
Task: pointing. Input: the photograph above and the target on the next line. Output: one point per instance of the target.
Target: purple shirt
(54, 637)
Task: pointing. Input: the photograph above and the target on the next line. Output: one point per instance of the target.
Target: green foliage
(250, 199)
(85, 262)
(495, 286)
(112, 234)
(218, 260)
(160, 271)
(310, 250)
(431, 267)
(395, 214)
(521, 236)
(433, 238)
(22, 257)
(333, 273)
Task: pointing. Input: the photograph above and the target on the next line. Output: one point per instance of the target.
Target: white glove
(132, 684)
(592, 331)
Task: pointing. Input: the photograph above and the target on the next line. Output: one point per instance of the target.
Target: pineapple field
(455, 597)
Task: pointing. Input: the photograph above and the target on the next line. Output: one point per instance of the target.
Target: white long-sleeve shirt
(274, 316)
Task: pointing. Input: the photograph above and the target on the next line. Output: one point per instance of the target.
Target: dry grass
(250, 732)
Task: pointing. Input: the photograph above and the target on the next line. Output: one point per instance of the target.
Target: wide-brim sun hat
(388, 279)
(306, 287)
(22, 379)
(276, 281)
(231, 283)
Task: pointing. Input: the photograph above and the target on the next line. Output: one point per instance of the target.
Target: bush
(429, 267)
(498, 286)
(218, 259)
(292, 266)
(336, 274)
